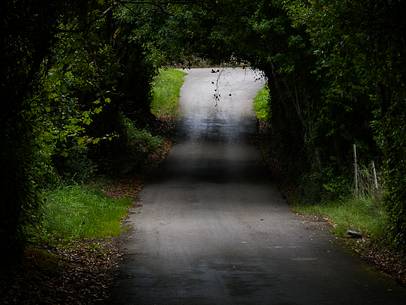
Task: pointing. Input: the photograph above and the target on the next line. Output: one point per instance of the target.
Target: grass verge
(360, 214)
(81, 212)
(166, 92)
(261, 104)
(72, 257)
(368, 217)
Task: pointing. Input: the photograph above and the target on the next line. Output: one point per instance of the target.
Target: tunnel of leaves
(74, 72)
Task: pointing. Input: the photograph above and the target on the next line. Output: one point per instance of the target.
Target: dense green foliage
(27, 29)
(139, 145)
(73, 74)
(166, 92)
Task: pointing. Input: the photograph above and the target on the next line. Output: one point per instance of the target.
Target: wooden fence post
(375, 177)
(355, 170)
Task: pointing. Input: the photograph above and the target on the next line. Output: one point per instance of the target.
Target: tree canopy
(74, 72)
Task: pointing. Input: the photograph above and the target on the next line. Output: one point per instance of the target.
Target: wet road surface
(214, 230)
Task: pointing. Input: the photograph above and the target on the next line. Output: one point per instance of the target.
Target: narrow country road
(214, 230)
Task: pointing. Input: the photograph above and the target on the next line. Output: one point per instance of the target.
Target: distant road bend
(214, 230)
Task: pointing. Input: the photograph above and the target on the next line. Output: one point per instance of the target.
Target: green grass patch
(81, 212)
(166, 92)
(261, 104)
(362, 214)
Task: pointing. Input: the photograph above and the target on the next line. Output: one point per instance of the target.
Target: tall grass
(166, 92)
(363, 214)
(81, 212)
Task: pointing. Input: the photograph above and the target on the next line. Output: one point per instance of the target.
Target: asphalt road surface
(214, 230)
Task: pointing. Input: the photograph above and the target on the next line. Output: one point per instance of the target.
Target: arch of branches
(71, 71)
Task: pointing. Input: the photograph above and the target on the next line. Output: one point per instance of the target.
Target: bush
(136, 148)
(140, 141)
(76, 166)
(324, 185)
